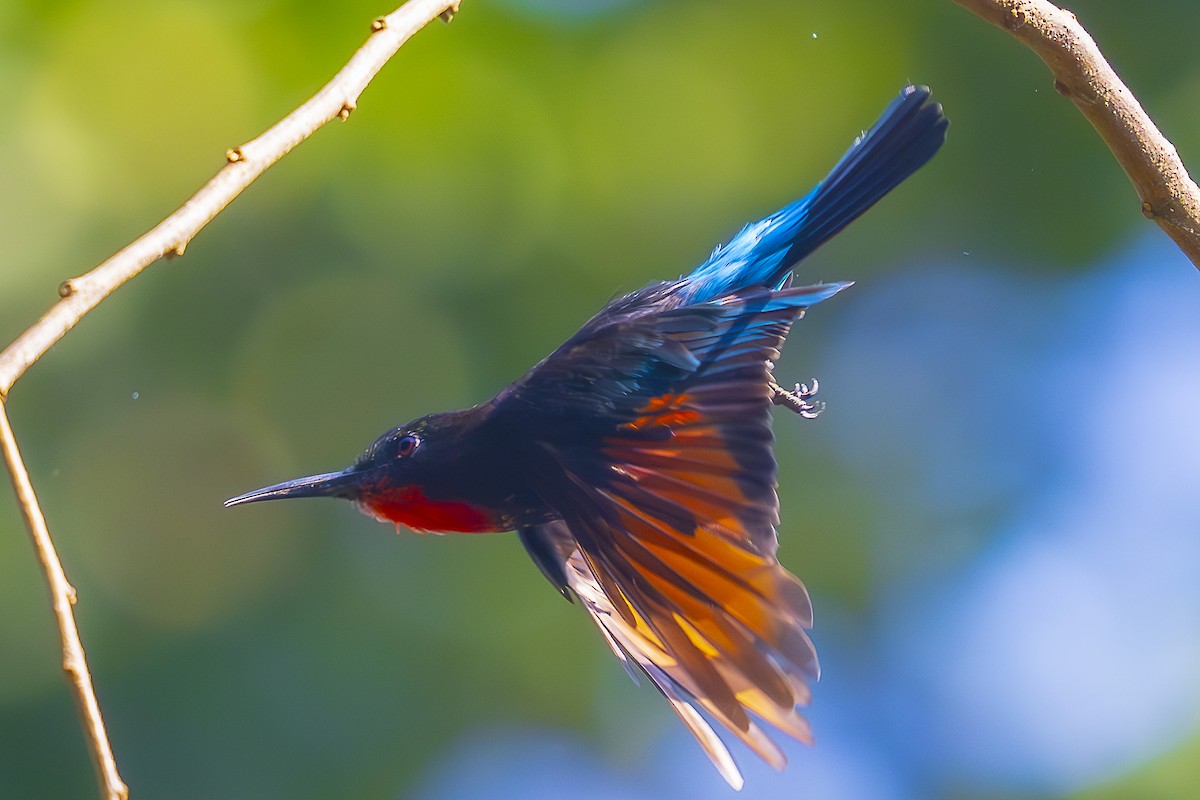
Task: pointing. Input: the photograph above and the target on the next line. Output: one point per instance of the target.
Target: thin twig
(1169, 196)
(80, 295)
(336, 100)
(63, 596)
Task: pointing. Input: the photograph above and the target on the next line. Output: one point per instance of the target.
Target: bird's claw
(799, 400)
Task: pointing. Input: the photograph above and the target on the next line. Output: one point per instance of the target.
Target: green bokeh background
(502, 177)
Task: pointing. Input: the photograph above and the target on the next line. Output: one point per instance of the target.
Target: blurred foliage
(502, 177)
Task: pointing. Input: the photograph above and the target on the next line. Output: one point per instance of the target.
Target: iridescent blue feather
(906, 136)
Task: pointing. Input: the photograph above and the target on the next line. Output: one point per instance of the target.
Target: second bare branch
(1169, 195)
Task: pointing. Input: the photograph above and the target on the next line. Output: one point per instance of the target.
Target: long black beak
(345, 484)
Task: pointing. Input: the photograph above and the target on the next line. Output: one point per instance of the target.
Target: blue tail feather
(795, 296)
(906, 136)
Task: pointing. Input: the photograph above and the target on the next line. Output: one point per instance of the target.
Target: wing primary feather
(540, 542)
(712, 745)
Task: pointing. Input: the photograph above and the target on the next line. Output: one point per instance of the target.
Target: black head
(394, 459)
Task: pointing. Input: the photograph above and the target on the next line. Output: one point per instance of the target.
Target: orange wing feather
(671, 544)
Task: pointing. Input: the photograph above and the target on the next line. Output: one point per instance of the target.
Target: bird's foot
(799, 400)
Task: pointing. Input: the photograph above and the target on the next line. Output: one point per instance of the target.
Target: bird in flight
(635, 462)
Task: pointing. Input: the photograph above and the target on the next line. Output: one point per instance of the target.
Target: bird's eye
(407, 445)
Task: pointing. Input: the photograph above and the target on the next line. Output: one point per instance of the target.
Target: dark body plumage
(635, 461)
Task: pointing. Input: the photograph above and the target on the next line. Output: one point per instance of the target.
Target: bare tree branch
(1169, 196)
(335, 100)
(63, 596)
(81, 294)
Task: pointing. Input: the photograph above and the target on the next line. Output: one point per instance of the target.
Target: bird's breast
(409, 506)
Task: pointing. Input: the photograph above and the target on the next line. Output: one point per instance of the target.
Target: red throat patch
(408, 506)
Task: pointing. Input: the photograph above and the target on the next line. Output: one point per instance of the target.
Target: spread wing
(655, 442)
